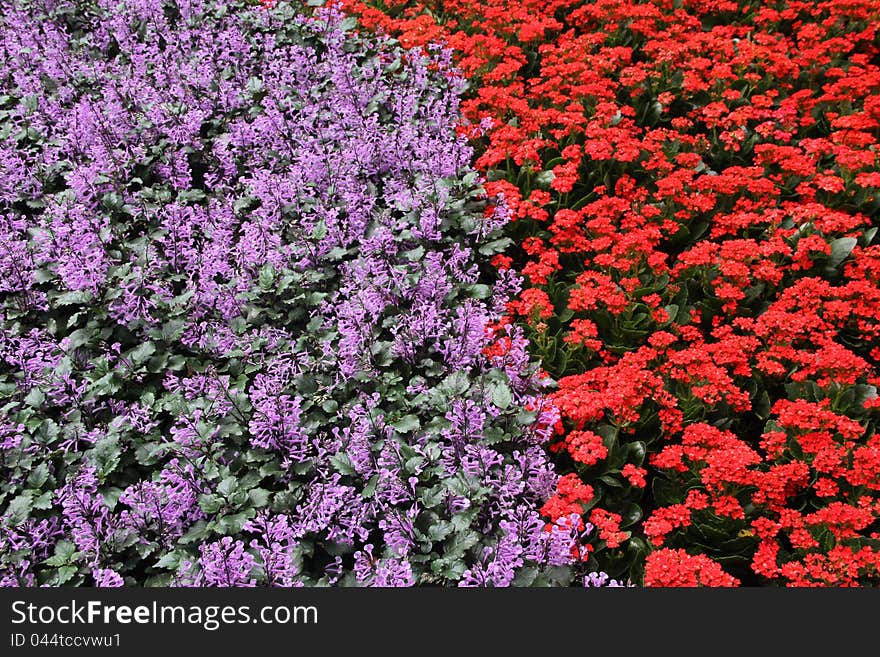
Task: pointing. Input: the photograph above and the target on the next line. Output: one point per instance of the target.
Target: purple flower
(275, 544)
(381, 572)
(86, 517)
(106, 578)
(225, 563)
(165, 508)
(596, 579)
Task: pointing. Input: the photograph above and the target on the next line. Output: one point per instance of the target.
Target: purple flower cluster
(247, 332)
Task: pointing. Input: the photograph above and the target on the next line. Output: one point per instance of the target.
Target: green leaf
(526, 418)
(106, 454)
(495, 246)
(210, 503)
(228, 486)
(249, 480)
(440, 530)
(342, 463)
(414, 254)
(672, 311)
(43, 275)
(609, 436)
(65, 573)
(502, 396)
(526, 576)
(636, 452)
(141, 353)
(382, 353)
(840, 250)
(196, 533)
(65, 552)
(79, 337)
(267, 276)
(306, 384)
(20, 508)
(44, 501)
(38, 476)
(480, 291)
(70, 298)
(35, 398)
(233, 523)
(370, 488)
(761, 405)
(632, 515)
(259, 497)
(544, 178)
(169, 561)
(406, 424)
(172, 330)
(456, 384)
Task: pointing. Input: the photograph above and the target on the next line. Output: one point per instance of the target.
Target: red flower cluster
(694, 187)
(678, 568)
(571, 495)
(807, 508)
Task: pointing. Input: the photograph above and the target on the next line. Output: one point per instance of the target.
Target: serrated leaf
(66, 573)
(370, 488)
(75, 296)
(233, 523)
(414, 254)
(79, 337)
(480, 291)
(210, 504)
(502, 396)
(438, 531)
(105, 455)
(259, 497)
(495, 246)
(35, 398)
(169, 561)
(172, 329)
(525, 576)
(266, 277)
(228, 486)
(65, 551)
(406, 424)
(342, 463)
(38, 476)
(141, 353)
(44, 501)
(19, 508)
(456, 384)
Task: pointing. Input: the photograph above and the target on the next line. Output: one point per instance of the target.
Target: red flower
(676, 568)
(635, 475)
(608, 525)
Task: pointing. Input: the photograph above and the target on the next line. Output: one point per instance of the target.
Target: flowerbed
(695, 193)
(246, 309)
